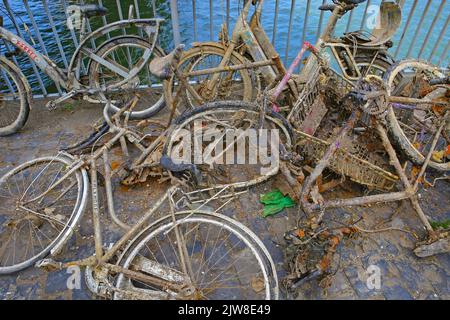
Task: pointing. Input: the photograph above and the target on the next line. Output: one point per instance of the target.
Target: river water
(206, 31)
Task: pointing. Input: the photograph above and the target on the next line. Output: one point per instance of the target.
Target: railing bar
(154, 8)
(119, 11)
(72, 33)
(74, 36)
(33, 65)
(194, 16)
(138, 14)
(8, 83)
(365, 14)
(105, 22)
(305, 23)
(408, 22)
(319, 27)
(291, 16)
(349, 22)
(35, 27)
(175, 22)
(8, 48)
(211, 19)
(444, 54)
(55, 32)
(228, 14)
(439, 40)
(141, 34)
(89, 29)
(38, 34)
(433, 24)
(419, 26)
(275, 21)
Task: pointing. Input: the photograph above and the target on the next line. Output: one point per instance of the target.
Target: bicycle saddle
(167, 163)
(161, 67)
(389, 19)
(93, 10)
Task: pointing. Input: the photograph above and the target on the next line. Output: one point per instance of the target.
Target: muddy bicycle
(179, 249)
(97, 74)
(342, 128)
(422, 92)
(239, 67)
(359, 53)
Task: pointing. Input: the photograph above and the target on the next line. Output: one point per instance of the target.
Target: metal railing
(423, 33)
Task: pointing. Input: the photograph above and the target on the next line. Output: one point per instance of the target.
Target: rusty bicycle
(94, 73)
(180, 248)
(344, 128)
(237, 68)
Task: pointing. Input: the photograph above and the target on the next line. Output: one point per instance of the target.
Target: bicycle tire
(54, 242)
(231, 107)
(249, 239)
(107, 48)
(11, 70)
(205, 50)
(400, 140)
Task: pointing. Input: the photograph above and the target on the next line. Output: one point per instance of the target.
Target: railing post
(431, 29)
(175, 22)
(408, 22)
(275, 22)
(291, 19)
(194, 17)
(19, 33)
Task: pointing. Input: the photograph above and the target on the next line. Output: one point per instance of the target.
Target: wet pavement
(403, 276)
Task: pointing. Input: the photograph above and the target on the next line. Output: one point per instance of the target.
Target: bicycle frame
(243, 31)
(410, 187)
(175, 281)
(70, 80)
(344, 53)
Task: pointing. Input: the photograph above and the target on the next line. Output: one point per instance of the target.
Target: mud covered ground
(403, 276)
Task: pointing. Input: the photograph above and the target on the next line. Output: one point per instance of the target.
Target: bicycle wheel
(14, 103)
(414, 130)
(367, 66)
(126, 53)
(224, 259)
(224, 140)
(237, 85)
(33, 223)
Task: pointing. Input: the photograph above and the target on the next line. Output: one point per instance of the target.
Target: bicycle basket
(356, 162)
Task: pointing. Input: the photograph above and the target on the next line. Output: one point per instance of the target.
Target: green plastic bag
(275, 202)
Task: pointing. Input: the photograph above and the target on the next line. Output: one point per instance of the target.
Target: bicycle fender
(22, 77)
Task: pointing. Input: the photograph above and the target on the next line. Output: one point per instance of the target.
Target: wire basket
(355, 162)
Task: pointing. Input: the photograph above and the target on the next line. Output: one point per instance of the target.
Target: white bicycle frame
(70, 80)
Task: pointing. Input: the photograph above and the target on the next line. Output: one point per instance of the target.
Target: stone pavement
(403, 276)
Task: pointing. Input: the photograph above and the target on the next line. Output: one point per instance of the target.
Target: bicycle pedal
(48, 264)
(51, 105)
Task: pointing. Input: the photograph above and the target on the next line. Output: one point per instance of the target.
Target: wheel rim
(11, 103)
(29, 230)
(128, 55)
(224, 88)
(221, 173)
(416, 129)
(206, 264)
